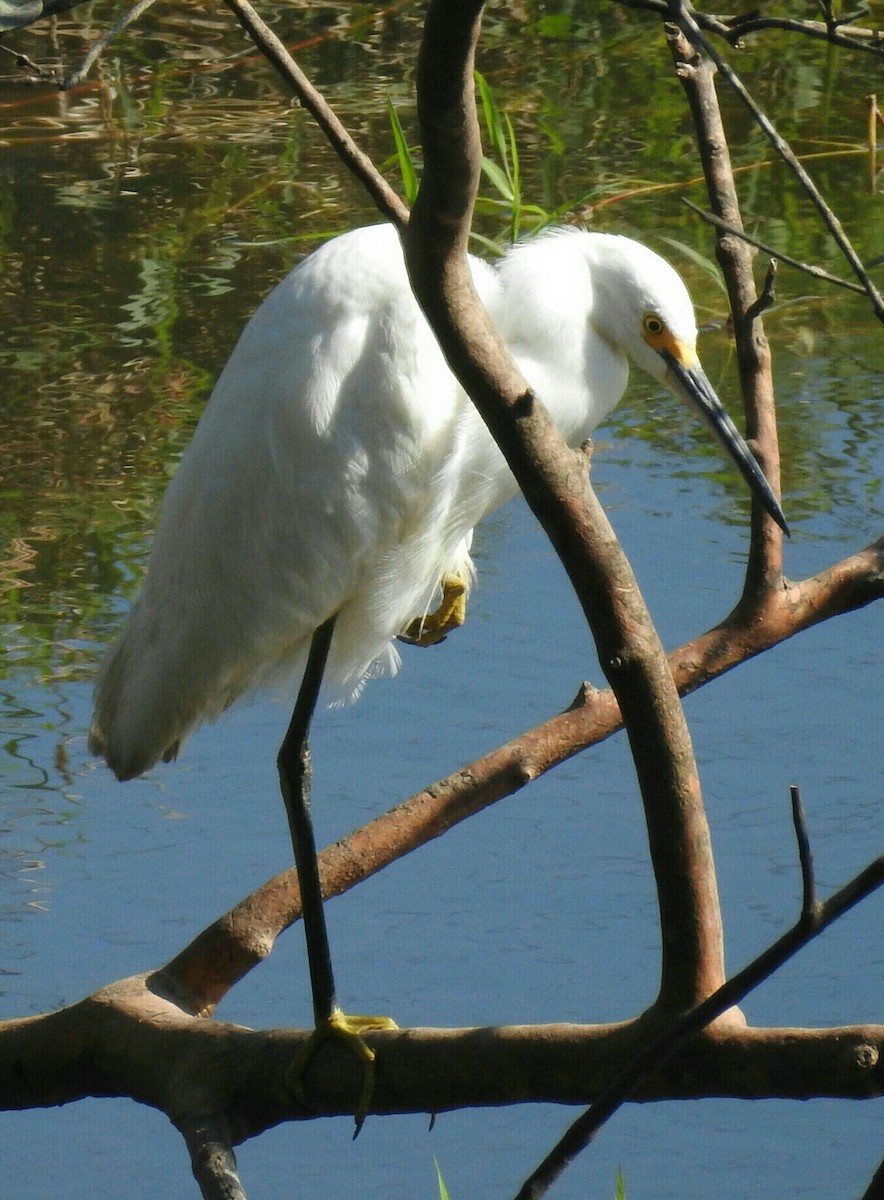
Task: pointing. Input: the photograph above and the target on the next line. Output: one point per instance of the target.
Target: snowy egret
(331, 488)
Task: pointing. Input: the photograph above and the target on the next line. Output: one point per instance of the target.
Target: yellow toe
(451, 613)
(348, 1028)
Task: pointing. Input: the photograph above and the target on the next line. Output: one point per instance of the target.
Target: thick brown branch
(554, 482)
(229, 1082)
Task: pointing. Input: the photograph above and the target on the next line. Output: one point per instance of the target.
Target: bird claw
(349, 1029)
(435, 626)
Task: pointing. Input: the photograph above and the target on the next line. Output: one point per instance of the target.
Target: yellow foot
(349, 1029)
(435, 626)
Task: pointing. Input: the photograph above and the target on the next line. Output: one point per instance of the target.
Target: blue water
(541, 909)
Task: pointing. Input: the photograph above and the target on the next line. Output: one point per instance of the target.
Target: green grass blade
(493, 123)
(443, 1190)
(403, 154)
(498, 179)
(699, 260)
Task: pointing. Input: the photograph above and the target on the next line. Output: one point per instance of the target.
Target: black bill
(692, 384)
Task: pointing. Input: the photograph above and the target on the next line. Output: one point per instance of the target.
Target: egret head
(642, 305)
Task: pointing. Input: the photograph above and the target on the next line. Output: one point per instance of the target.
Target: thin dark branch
(357, 162)
(768, 293)
(875, 1190)
(40, 75)
(685, 20)
(810, 903)
(808, 268)
(733, 29)
(665, 1045)
(850, 37)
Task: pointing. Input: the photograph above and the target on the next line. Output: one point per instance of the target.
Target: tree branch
(696, 73)
(229, 948)
(77, 77)
(733, 29)
(683, 17)
(221, 1084)
(807, 268)
(665, 1045)
(554, 482)
(211, 1155)
(357, 162)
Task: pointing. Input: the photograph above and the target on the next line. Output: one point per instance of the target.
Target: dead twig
(807, 268)
(77, 77)
(357, 162)
(734, 29)
(811, 922)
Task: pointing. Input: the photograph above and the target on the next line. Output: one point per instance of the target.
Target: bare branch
(696, 74)
(807, 268)
(229, 948)
(673, 1038)
(810, 904)
(554, 482)
(768, 293)
(103, 42)
(733, 29)
(129, 1040)
(211, 1155)
(357, 162)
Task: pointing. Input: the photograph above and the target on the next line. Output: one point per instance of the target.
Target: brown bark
(128, 1040)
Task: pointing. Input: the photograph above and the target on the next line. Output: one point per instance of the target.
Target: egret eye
(652, 324)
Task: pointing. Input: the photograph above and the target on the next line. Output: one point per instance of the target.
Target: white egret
(331, 488)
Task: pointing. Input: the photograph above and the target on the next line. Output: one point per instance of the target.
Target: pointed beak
(688, 380)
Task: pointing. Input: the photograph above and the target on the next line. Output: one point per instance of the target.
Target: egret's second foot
(349, 1029)
(451, 613)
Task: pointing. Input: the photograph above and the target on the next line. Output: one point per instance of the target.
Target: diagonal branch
(662, 1048)
(229, 948)
(356, 160)
(807, 268)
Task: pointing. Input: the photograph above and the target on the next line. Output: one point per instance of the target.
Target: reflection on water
(142, 217)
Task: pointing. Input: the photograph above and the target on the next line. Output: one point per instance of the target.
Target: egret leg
(451, 613)
(295, 772)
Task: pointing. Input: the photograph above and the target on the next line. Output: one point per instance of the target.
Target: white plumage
(339, 468)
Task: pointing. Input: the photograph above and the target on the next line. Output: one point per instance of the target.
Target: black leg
(295, 772)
